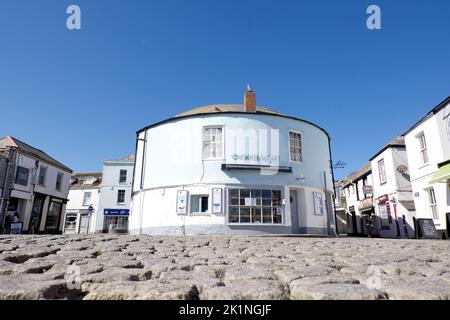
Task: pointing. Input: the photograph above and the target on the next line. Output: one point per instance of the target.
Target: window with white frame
(382, 171)
(42, 175)
(212, 143)
(295, 146)
(120, 196)
(87, 198)
(199, 203)
(433, 206)
(423, 148)
(256, 206)
(123, 176)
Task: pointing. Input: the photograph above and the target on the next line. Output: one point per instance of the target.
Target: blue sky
(82, 95)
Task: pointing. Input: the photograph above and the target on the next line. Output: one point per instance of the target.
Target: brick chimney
(249, 100)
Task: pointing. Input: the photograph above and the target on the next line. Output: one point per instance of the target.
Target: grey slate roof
(217, 108)
(11, 142)
(363, 171)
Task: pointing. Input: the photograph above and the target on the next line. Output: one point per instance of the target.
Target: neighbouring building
(340, 207)
(115, 196)
(232, 168)
(83, 203)
(38, 193)
(393, 198)
(428, 148)
(358, 189)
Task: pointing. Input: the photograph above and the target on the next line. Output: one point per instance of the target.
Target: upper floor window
(87, 198)
(59, 178)
(433, 204)
(22, 176)
(42, 175)
(123, 176)
(121, 196)
(212, 143)
(295, 146)
(382, 171)
(423, 148)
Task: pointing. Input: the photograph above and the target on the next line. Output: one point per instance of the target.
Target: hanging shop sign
(182, 196)
(217, 200)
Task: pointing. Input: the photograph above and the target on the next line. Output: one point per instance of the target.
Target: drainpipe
(334, 188)
(3, 212)
(141, 183)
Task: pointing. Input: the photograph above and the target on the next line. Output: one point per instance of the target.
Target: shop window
(385, 215)
(199, 203)
(123, 176)
(54, 211)
(382, 171)
(256, 206)
(120, 196)
(212, 145)
(22, 176)
(87, 198)
(295, 146)
(432, 203)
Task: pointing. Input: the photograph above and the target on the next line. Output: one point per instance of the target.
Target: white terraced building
(232, 168)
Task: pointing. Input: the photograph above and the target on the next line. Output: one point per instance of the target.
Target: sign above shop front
(116, 212)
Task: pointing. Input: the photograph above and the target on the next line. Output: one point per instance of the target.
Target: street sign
(91, 209)
(116, 212)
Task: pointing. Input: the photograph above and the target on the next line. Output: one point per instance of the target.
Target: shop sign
(182, 196)
(217, 200)
(318, 204)
(116, 212)
(16, 228)
(368, 189)
(250, 201)
(383, 198)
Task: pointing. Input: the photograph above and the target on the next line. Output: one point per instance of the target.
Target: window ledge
(423, 165)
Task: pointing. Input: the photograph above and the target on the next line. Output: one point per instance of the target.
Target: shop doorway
(294, 211)
(36, 213)
(84, 224)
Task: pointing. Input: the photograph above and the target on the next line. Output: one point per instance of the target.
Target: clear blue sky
(81, 95)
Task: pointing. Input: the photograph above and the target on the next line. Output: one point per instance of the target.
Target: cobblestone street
(221, 267)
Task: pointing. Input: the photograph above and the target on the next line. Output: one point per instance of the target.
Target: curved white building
(223, 169)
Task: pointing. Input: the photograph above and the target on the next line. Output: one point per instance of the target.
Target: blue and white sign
(116, 212)
(91, 209)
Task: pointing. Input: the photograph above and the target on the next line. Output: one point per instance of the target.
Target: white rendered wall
(438, 146)
(173, 161)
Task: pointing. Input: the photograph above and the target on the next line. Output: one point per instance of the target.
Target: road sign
(91, 209)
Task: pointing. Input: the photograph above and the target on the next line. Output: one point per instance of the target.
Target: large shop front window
(212, 143)
(258, 206)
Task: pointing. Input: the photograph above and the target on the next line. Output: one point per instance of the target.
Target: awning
(442, 175)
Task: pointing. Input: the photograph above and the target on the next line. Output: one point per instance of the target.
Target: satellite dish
(402, 168)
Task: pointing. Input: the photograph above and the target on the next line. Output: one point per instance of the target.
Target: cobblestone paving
(221, 267)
